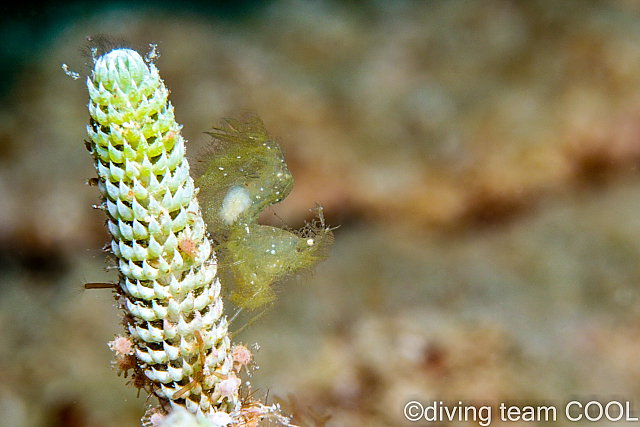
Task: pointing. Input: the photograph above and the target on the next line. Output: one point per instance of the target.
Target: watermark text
(573, 411)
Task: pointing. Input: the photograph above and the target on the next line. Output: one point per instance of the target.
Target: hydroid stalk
(179, 345)
(176, 344)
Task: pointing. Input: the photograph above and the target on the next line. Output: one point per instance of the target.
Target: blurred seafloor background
(481, 158)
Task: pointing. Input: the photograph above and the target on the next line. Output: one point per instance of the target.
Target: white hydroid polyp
(167, 287)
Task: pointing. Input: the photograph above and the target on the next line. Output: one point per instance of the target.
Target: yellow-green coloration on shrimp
(245, 174)
(259, 255)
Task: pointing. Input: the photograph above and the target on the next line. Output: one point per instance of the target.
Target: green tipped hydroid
(179, 346)
(176, 344)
